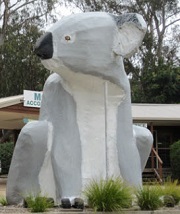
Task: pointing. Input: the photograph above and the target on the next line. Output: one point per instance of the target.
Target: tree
(157, 58)
(160, 84)
(19, 67)
(158, 80)
(175, 158)
(32, 10)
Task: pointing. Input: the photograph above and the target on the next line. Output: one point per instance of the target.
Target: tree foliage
(175, 158)
(21, 23)
(29, 10)
(160, 84)
(155, 68)
(19, 68)
(6, 152)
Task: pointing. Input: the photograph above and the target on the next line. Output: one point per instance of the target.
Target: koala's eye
(67, 38)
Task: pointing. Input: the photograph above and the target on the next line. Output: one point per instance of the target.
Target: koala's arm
(144, 142)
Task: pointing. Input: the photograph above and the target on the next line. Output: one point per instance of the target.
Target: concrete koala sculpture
(59, 154)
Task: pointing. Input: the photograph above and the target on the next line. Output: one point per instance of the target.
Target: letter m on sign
(37, 96)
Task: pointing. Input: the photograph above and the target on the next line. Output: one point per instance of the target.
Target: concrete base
(15, 210)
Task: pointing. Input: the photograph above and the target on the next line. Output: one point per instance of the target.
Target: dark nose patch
(44, 46)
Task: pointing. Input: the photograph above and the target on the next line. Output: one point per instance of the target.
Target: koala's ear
(131, 29)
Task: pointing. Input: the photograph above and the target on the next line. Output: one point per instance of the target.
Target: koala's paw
(77, 203)
(65, 203)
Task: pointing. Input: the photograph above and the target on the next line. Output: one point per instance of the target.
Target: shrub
(175, 160)
(6, 152)
(108, 195)
(38, 203)
(148, 198)
(3, 201)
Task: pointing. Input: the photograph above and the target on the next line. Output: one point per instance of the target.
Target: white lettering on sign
(32, 98)
(141, 124)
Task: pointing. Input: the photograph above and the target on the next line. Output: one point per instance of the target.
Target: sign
(32, 98)
(141, 124)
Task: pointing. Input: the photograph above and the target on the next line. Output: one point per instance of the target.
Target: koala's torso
(90, 95)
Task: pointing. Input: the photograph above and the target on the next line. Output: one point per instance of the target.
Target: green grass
(108, 195)
(172, 188)
(38, 203)
(148, 198)
(3, 201)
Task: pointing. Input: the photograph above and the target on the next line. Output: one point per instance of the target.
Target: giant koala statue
(85, 128)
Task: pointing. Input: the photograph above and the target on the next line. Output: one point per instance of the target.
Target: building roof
(9, 101)
(156, 112)
(12, 113)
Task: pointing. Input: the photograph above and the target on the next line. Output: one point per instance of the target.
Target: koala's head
(90, 42)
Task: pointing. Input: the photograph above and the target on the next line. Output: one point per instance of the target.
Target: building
(164, 122)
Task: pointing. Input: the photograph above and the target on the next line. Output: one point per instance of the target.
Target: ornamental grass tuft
(38, 203)
(3, 201)
(172, 188)
(108, 195)
(149, 197)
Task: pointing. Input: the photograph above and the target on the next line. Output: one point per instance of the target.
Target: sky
(60, 11)
(66, 10)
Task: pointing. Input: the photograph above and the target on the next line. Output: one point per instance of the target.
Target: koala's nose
(44, 46)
